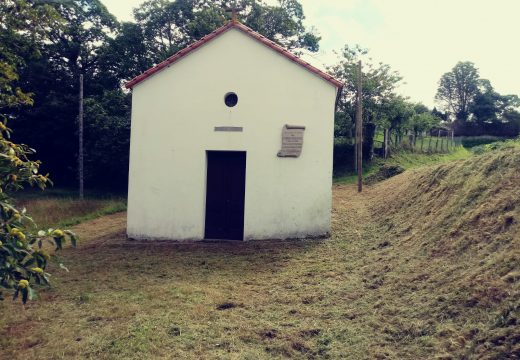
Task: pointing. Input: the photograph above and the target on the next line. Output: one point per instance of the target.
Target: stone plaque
(229, 128)
(292, 141)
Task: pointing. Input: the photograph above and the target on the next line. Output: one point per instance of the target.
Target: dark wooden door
(225, 195)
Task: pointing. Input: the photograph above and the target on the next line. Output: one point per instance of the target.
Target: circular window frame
(231, 99)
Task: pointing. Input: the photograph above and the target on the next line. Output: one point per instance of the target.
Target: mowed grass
(423, 265)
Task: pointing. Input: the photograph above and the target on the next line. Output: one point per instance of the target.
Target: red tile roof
(248, 31)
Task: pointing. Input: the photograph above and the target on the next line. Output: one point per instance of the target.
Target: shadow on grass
(118, 254)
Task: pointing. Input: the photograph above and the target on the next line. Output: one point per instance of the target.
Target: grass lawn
(239, 300)
(62, 208)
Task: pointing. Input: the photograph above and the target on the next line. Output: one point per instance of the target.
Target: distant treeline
(47, 44)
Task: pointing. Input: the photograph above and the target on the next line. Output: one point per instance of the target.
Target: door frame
(205, 238)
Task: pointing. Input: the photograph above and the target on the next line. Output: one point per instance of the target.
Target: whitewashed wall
(174, 113)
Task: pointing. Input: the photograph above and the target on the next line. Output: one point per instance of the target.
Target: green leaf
(73, 240)
(32, 294)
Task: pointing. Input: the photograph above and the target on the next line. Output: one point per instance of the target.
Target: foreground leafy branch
(23, 259)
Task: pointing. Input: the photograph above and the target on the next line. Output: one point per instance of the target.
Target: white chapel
(231, 139)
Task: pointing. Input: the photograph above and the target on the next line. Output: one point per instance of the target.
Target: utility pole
(80, 138)
(359, 129)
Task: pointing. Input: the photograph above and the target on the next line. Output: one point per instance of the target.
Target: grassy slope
(455, 248)
(423, 265)
(407, 160)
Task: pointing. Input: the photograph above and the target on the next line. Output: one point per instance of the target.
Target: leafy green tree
(22, 25)
(379, 84)
(282, 23)
(107, 135)
(458, 89)
(489, 106)
(169, 26)
(441, 115)
(125, 56)
(399, 113)
(85, 27)
(422, 122)
(67, 49)
(22, 258)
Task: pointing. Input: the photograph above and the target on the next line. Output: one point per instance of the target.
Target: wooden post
(359, 130)
(385, 144)
(430, 142)
(442, 144)
(80, 138)
(437, 142)
(422, 141)
(452, 138)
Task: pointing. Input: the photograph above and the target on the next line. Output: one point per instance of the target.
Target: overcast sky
(422, 39)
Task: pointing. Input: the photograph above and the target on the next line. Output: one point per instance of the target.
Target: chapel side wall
(174, 113)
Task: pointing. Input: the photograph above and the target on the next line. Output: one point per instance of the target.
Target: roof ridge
(248, 31)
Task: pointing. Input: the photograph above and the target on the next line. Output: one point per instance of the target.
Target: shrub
(22, 258)
(472, 141)
(386, 171)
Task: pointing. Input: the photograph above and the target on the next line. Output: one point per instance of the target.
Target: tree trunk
(359, 131)
(80, 139)
(385, 144)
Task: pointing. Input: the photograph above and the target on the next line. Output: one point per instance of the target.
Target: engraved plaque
(292, 141)
(229, 128)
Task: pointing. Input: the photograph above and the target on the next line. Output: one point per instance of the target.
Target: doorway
(225, 195)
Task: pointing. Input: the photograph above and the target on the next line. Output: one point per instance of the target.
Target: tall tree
(23, 26)
(22, 260)
(458, 88)
(489, 106)
(168, 26)
(379, 84)
(70, 49)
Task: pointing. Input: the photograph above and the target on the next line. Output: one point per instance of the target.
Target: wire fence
(434, 141)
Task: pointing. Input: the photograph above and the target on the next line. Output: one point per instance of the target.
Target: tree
(124, 57)
(107, 132)
(458, 89)
(67, 49)
(379, 84)
(489, 106)
(22, 26)
(421, 122)
(398, 112)
(169, 26)
(22, 259)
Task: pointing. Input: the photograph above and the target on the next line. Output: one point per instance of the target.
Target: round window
(231, 99)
